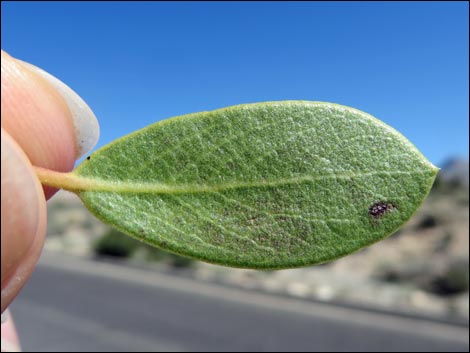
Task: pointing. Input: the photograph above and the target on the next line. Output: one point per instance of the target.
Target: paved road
(77, 305)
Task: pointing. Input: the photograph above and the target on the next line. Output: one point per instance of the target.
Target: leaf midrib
(100, 185)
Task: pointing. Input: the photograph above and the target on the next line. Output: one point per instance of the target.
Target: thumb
(23, 217)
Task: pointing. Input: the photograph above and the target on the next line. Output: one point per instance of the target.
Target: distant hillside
(455, 170)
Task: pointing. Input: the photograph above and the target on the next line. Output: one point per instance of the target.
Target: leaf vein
(94, 184)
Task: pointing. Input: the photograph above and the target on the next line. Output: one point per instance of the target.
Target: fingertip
(86, 125)
(37, 117)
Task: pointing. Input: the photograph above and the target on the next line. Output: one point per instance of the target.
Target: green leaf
(268, 185)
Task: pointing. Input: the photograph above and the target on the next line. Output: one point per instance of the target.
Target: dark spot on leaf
(88, 158)
(378, 209)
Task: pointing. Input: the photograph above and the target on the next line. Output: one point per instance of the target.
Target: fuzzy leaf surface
(266, 185)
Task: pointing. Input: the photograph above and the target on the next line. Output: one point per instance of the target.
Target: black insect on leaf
(378, 209)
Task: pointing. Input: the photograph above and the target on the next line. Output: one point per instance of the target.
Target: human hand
(45, 124)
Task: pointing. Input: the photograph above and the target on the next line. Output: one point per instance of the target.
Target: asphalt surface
(79, 305)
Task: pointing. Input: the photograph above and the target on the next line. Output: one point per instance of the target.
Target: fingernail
(86, 125)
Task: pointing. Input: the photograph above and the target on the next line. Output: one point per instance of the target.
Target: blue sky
(139, 62)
